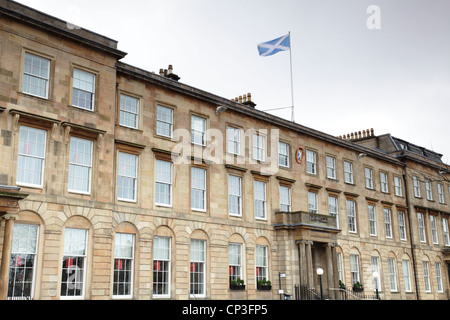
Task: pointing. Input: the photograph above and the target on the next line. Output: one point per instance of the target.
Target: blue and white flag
(271, 47)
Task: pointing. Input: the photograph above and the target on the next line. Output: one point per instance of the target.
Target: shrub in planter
(264, 285)
(237, 284)
(358, 287)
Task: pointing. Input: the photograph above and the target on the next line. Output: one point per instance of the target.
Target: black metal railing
(303, 292)
(348, 294)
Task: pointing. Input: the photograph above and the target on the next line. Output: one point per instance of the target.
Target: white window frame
(259, 147)
(434, 232)
(426, 276)
(235, 249)
(85, 89)
(348, 172)
(384, 182)
(261, 263)
(311, 162)
(198, 187)
(132, 176)
(333, 208)
(429, 190)
(406, 275)
(375, 262)
(161, 121)
(446, 231)
(198, 246)
(33, 75)
(126, 104)
(351, 215)
(74, 163)
(398, 186)
(122, 245)
(440, 189)
(368, 173)
(387, 222)
(17, 252)
(283, 154)
(402, 225)
(392, 274)
(260, 200)
(313, 202)
(27, 154)
(198, 129)
(372, 220)
(233, 140)
(339, 265)
(234, 194)
(285, 199)
(331, 167)
(67, 253)
(167, 261)
(421, 224)
(437, 266)
(354, 268)
(160, 181)
(416, 184)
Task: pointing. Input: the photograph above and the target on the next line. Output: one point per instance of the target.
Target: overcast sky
(347, 77)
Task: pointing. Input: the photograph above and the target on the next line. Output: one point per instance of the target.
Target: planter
(237, 286)
(264, 287)
(358, 289)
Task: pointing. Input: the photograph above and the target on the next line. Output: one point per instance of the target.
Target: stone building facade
(120, 183)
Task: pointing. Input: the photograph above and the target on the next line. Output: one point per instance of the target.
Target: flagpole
(292, 81)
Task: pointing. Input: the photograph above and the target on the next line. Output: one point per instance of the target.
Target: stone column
(302, 262)
(309, 263)
(6, 252)
(330, 270)
(335, 266)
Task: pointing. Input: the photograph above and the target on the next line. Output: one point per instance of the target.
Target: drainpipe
(410, 234)
(116, 93)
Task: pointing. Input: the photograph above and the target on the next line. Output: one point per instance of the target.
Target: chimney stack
(245, 99)
(357, 135)
(168, 73)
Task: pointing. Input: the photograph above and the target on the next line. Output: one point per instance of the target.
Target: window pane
(22, 263)
(124, 245)
(310, 162)
(285, 199)
(127, 176)
(161, 266)
(260, 199)
(80, 163)
(75, 242)
(31, 156)
(72, 282)
(129, 111)
(83, 89)
(163, 182)
(36, 75)
(161, 248)
(233, 137)
(234, 195)
(198, 188)
(197, 267)
(283, 154)
(198, 130)
(164, 121)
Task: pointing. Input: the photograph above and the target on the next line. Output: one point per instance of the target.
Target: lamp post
(320, 273)
(375, 276)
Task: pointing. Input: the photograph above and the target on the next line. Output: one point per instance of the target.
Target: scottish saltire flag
(273, 46)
